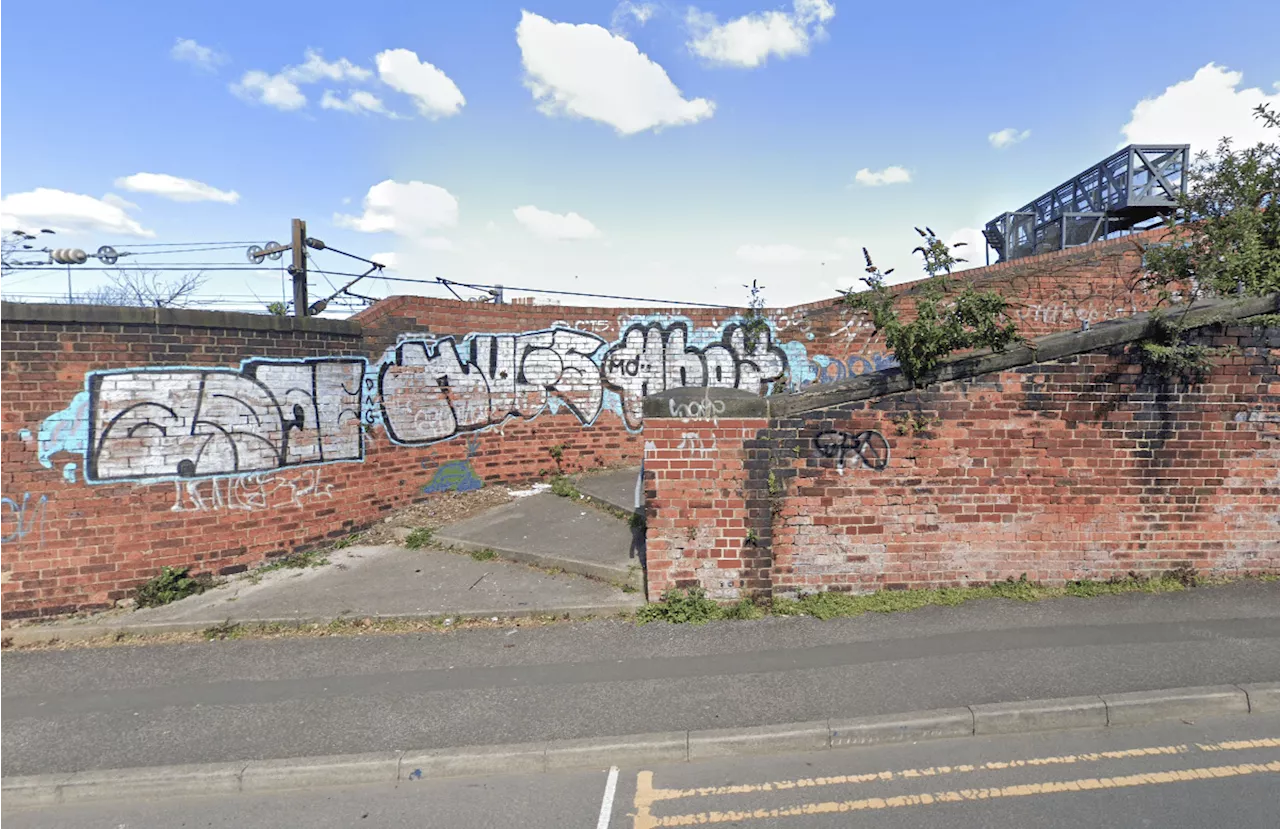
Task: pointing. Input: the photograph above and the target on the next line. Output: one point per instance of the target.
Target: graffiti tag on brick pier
(868, 449)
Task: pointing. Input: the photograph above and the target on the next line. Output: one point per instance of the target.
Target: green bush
(681, 607)
(170, 585)
(562, 486)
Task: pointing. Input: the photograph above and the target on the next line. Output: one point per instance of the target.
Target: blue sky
(651, 149)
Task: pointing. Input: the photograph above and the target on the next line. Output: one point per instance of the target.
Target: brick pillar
(696, 449)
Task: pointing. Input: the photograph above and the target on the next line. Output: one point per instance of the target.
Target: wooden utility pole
(298, 270)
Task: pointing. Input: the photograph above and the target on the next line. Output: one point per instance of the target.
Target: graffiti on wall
(430, 391)
(455, 476)
(188, 424)
(20, 519)
(256, 491)
(868, 449)
(653, 358)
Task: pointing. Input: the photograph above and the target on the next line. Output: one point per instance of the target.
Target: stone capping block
(767, 739)
(1180, 703)
(113, 315)
(1264, 697)
(1051, 347)
(664, 747)
(705, 403)
(341, 770)
(1043, 715)
(896, 728)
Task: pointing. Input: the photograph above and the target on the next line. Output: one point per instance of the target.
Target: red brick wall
(69, 545)
(1082, 468)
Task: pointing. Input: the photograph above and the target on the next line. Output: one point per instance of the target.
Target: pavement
(548, 530)
(616, 488)
(557, 556)
(362, 582)
(1175, 774)
(238, 701)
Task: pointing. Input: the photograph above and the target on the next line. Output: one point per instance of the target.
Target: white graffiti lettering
(430, 392)
(250, 492)
(653, 358)
(199, 422)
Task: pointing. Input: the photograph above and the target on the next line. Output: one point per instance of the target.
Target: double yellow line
(647, 795)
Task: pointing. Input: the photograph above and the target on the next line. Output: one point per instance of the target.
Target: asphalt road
(1222, 772)
(242, 700)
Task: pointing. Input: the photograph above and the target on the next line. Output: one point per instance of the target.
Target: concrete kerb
(47, 634)
(403, 767)
(590, 569)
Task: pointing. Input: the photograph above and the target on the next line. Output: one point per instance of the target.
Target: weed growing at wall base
(418, 538)
(170, 585)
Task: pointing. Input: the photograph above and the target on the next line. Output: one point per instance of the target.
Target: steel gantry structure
(1137, 184)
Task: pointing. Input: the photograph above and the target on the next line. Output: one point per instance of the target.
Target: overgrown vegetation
(484, 555)
(170, 585)
(1166, 350)
(277, 309)
(298, 561)
(1223, 240)
(562, 485)
(693, 607)
(754, 323)
(418, 538)
(943, 323)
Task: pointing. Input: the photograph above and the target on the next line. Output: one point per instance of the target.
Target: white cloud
(316, 68)
(584, 71)
(273, 90)
(358, 101)
(175, 189)
(117, 201)
(627, 11)
(203, 57)
(889, 175)
(559, 226)
(68, 213)
(282, 91)
(436, 243)
(1200, 111)
(1007, 137)
(748, 41)
(406, 208)
(432, 90)
(389, 260)
(844, 243)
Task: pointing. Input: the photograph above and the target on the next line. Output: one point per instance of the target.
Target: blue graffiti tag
(27, 516)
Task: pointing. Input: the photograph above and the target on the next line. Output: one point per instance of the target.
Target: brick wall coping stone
(63, 314)
(709, 403)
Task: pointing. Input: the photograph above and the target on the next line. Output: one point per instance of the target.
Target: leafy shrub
(681, 607)
(170, 585)
(562, 486)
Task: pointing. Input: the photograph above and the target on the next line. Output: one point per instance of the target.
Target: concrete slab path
(384, 581)
(616, 488)
(556, 532)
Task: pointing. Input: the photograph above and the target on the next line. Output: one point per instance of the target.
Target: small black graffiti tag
(868, 448)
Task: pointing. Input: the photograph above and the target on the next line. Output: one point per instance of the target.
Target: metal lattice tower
(1137, 184)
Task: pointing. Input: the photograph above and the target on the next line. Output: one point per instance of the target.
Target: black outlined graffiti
(870, 449)
(653, 357)
(189, 423)
(430, 392)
